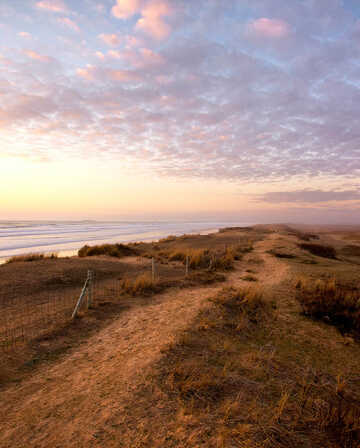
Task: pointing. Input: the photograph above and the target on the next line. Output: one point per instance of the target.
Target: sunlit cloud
(37, 56)
(87, 73)
(153, 14)
(93, 73)
(309, 196)
(25, 35)
(100, 55)
(140, 58)
(177, 89)
(153, 19)
(126, 8)
(272, 28)
(69, 23)
(115, 54)
(113, 40)
(52, 5)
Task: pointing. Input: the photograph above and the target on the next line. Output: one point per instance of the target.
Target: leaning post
(79, 302)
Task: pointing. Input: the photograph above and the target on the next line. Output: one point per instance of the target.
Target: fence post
(90, 289)
(82, 295)
(153, 269)
(187, 266)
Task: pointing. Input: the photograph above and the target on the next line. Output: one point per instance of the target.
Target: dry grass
(321, 250)
(278, 254)
(198, 258)
(143, 284)
(31, 257)
(111, 250)
(209, 258)
(233, 382)
(250, 278)
(351, 250)
(331, 302)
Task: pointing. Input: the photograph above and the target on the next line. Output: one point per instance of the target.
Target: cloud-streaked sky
(172, 108)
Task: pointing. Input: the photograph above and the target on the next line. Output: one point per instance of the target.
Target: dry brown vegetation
(331, 302)
(31, 257)
(232, 384)
(320, 250)
(248, 369)
(112, 250)
(142, 284)
(38, 299)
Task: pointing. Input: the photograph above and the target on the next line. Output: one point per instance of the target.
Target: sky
(177, 109)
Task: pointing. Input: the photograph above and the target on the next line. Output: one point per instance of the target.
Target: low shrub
(320, 250)
(250, 278)
(351, 250)
(278, 254)
(112, 250)
(198, 258)
(249, 302)
(143, 284)
(168, 239)
(31, 257)
(330, 302)
(224, 262)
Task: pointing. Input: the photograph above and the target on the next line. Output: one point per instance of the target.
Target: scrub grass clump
(331, 302)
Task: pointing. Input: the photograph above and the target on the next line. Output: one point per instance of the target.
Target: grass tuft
(31, 257)
(331, 302)
(111, 250)
(320, 250)
(143, 284)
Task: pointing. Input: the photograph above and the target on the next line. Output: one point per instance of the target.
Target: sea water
(66, 237)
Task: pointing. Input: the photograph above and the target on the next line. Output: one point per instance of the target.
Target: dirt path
(68, 404)
(63, 405)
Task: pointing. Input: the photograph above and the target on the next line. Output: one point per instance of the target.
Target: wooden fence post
(187, 266)
(153, 269)
(82, 295)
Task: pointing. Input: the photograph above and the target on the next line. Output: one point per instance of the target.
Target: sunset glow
(170, 109)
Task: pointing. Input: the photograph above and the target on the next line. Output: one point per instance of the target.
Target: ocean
(66, 237)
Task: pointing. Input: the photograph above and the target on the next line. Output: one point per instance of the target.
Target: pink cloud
(152, 20)
(25, 35)
(126, 8)
(52, 5)
(100, 55)
(150, 58)
(88, 73)
(115, 54)
(37, 56)
(132, 41)
(69, 23)
(153, 13)
(112, 40)
(143, 57)
(123, 75)
(92, 73)
(273, 28)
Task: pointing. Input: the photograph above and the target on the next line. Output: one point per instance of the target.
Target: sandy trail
(68, 404)
(64, 404)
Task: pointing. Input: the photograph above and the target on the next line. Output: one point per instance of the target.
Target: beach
(66, 237)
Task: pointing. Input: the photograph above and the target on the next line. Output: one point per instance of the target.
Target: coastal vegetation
(255, 345)
(31, 257)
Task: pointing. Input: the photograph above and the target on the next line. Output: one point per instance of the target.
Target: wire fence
(25, 317)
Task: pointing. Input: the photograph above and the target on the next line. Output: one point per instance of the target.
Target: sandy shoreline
(67, 241)
(73, 252)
